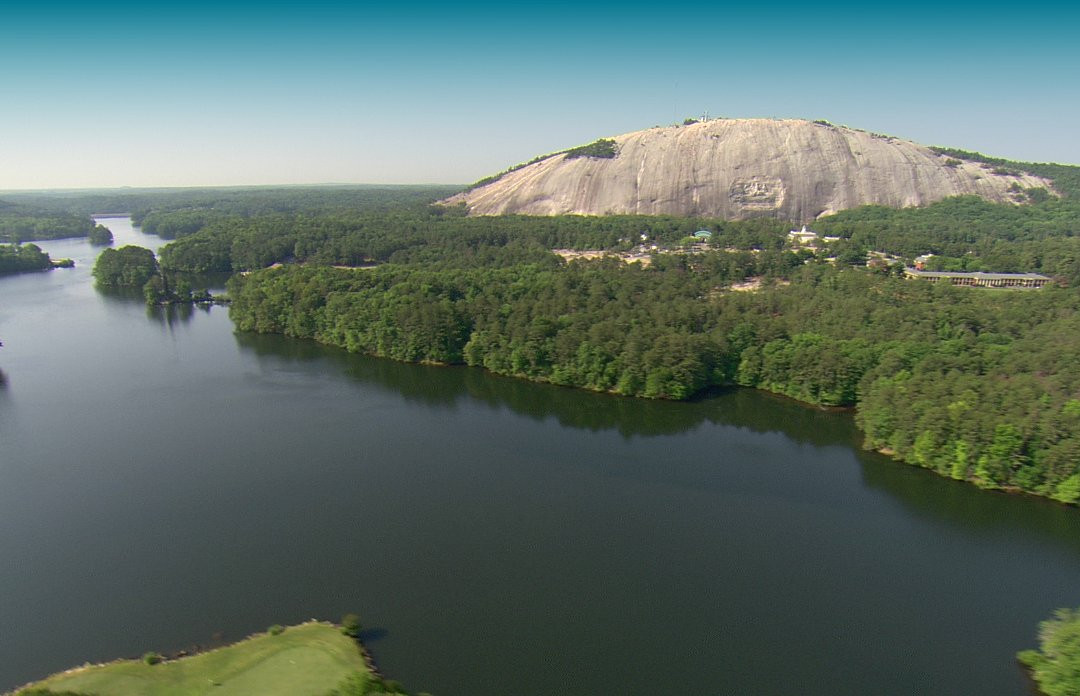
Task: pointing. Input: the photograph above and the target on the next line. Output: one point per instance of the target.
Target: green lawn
(308, 659)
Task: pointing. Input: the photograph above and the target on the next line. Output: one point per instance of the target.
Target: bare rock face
(740, 168)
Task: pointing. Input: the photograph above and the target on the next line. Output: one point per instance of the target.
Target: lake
(166, 482)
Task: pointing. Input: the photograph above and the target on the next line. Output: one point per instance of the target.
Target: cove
(164, 480)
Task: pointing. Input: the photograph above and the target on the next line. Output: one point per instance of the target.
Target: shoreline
(1012, 490)
(196, 651)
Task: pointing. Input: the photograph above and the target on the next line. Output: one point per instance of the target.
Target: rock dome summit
(740, 168)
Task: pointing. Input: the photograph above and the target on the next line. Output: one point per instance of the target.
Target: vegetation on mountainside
(604, 148)
(1055, 666)
(1066, 177)
(513, 168)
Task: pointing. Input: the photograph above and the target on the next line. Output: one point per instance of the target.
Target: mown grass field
(307, 659)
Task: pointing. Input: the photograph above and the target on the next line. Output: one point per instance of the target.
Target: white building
(802, 237)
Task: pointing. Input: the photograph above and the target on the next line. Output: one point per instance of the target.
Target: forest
(22, 258)
(1055, 666)
(20, 224)
(975, 384)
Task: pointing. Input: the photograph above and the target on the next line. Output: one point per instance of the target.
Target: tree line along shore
(979, 385)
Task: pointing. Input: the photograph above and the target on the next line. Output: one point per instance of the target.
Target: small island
(137, 267)
(26, 258)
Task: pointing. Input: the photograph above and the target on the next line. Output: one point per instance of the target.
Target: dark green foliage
(152, 658)
(495, 177)
(975, 384)
(175, 224)
(430, 238)
(1056, 665)
(173, 288)
(1040, 238)
(247, 200)
(603, 148)
(100, 235)
(350, 625)
(366, 685)
(16, 258)
(24, 224)
(357, 684)
(1066, 177)
(129, 266)
(276, 630)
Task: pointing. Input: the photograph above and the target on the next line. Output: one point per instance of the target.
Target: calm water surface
(163, 480)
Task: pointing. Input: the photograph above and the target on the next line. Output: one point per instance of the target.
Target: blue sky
(277, 93)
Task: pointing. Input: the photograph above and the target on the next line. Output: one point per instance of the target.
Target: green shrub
(100, 235)
(1056, 665)
(355, 684)
(152, 658)
(128, 266)
(276, 630)
(604, 148)
(350, 625)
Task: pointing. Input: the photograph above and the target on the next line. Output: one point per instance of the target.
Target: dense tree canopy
(19, 224)
(1056, 665)
(974, 384)
(129, 266)
(20, 258)
(100, 234)
(978, 385)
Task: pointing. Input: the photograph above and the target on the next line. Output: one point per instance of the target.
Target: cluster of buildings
(982, 279)
(974, 278)
(805, 237)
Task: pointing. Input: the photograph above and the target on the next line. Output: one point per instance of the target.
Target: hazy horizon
(194, 95)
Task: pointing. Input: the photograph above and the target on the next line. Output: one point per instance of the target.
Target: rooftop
(975, 274)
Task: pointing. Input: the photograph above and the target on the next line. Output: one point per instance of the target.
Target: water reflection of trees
(447, 386)
(174, 314)
(957, 505)
(992, 514)
(121, 295)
